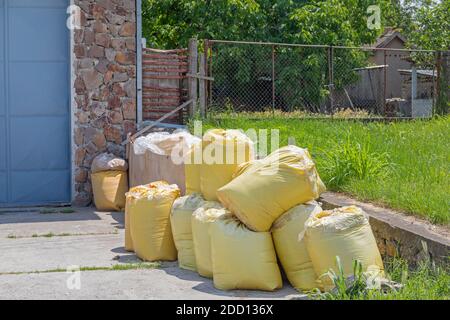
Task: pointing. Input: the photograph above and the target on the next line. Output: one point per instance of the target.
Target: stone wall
(104, 71)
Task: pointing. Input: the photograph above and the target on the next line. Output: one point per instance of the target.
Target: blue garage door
(34, 102)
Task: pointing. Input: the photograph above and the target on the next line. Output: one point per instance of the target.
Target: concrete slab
(98, 243)
(40, 254)
(167, 283)
(82, 221)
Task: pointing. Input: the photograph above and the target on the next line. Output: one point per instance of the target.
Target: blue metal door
(34, 103)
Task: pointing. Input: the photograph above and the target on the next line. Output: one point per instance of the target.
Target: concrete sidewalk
(37, 247)
(165, 283)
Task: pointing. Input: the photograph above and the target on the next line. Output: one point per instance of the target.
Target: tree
(431, 29)
(171, 23)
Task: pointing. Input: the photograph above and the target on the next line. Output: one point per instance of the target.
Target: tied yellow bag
(263, 190)
(109, 188)
(241, 258)
(202, 219)
(344, 232)
(222, 152)
(192, 169)
(291, 251)
(151, 232)
(180, 219)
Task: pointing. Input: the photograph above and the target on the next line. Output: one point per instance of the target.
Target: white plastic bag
(108, 162)
(163, 143)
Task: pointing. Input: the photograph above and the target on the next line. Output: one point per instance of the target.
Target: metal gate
(34, 103)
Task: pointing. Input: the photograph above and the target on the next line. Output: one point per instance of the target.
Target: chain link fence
(320, 80)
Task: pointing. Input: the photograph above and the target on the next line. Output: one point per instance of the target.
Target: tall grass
(425, 282)
(352, 159)
(405, 165)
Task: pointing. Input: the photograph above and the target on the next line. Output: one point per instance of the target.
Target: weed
(425, 282)
(67, 210)
(48, 235)
(116, 267)
(354, 160)
(47, 211)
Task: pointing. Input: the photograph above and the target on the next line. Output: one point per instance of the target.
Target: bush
(354, 160)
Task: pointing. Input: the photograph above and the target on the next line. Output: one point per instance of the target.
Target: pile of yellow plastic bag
(242, 217)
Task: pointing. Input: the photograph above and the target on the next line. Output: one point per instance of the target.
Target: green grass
(64, 234)
(47, 211)
(56, 210)
(425, 282)
(404, 165)
(67, 210)
(116, 267)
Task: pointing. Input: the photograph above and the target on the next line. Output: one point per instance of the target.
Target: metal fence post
(202, 86)
(139, 46)
(210, 72)
(206, 73)
(273, 80)
(331, 77)
(443, 83)
(385, 83)
(193, 67)
(435, 91)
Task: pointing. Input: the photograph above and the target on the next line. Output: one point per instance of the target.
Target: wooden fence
(164, 84)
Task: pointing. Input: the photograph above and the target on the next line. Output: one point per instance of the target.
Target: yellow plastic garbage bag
(151, 232)
(109, 188)
(192, 169)
(263, 190)
(180, 219)
(344, 232)
(222, 152)
(202, 219)
(290, 250)
(241, 258)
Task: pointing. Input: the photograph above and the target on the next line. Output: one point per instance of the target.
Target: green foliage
(170, 23)
(425, 23)
(241, 69)
(334, 22)
(353, 159)
(345, 289)
(424, 282)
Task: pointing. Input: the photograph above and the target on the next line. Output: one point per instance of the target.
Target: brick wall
(104, 72)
